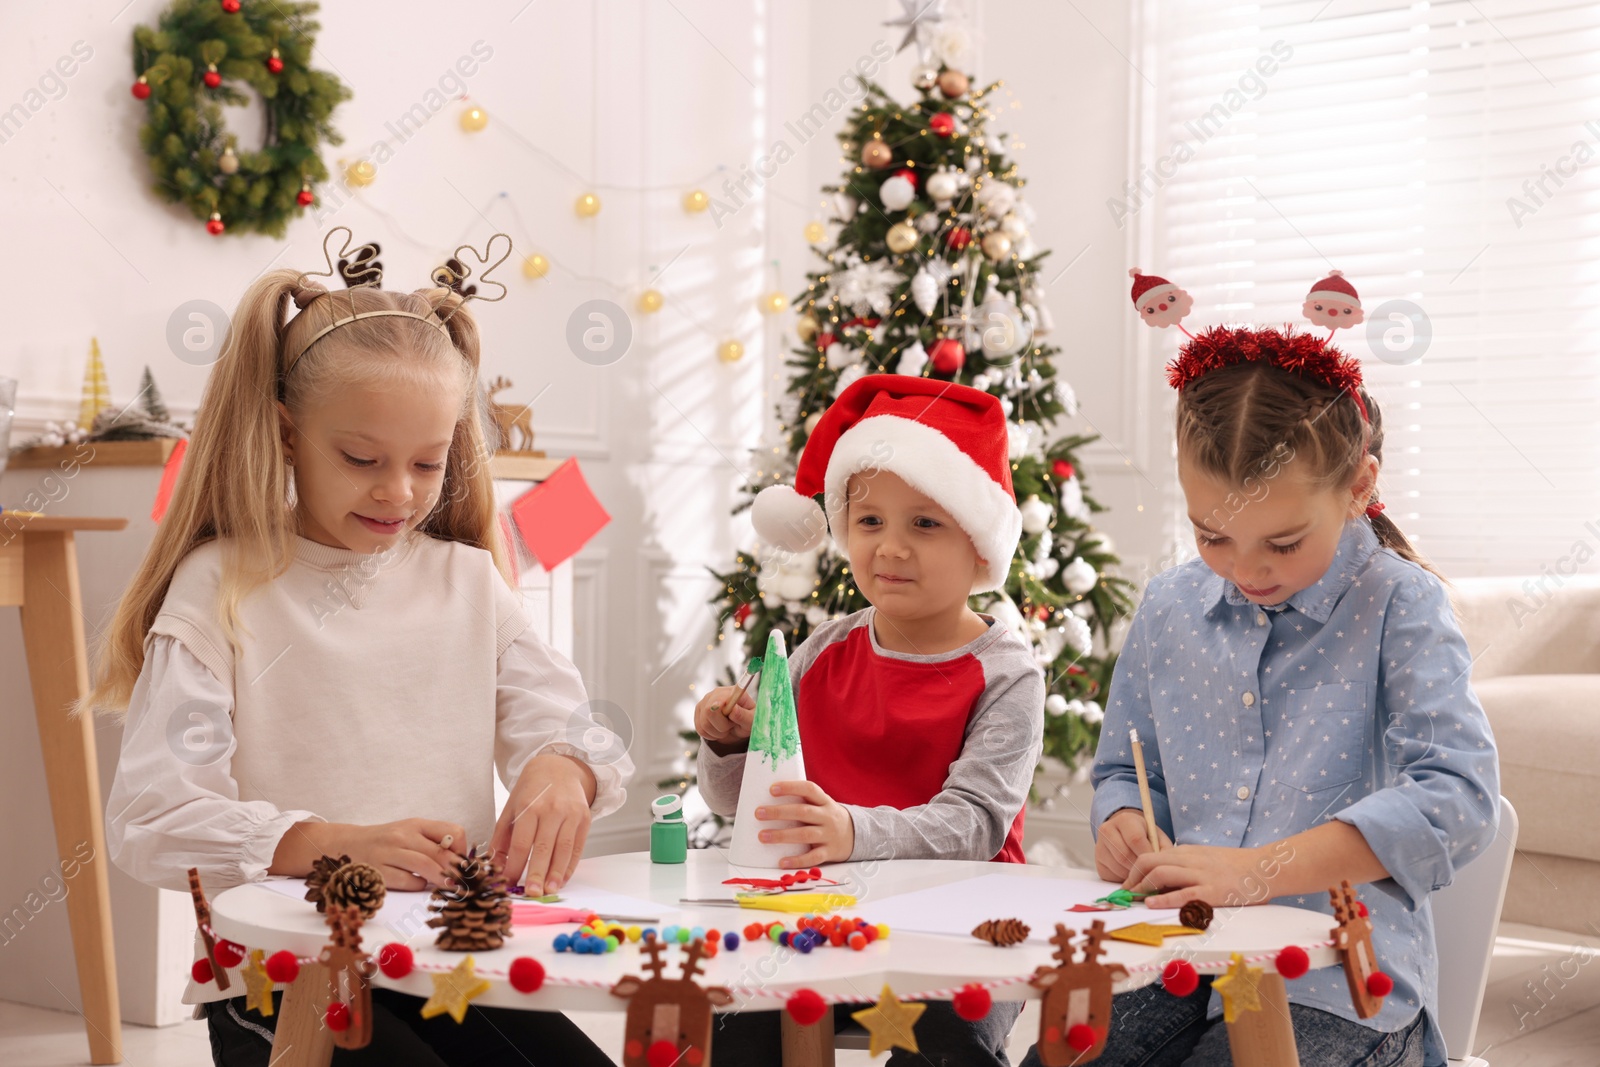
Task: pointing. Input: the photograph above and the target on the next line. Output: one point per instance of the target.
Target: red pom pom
(1081, 1037)
(943, 124)
(1180, 978)
(1379, 984)
(395, 959)
(858, 940)
(815, 872)
(229, 953)
(806, 1006)
(201, 971)
(141, 90)
(338, 1016)
(527, 974)
(1293, 962)
(212, 79)
(958, 238)
(283, 968)
(1062, 469)
(787, 879)
(948, 356)
(972, 1002)
(662, 1054)
(1361, 906)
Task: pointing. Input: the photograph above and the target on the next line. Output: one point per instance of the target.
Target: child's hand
(827, 826)
(1218, 875)
(544, 825)
(409, 853)
(731, 729)
(1122, 839)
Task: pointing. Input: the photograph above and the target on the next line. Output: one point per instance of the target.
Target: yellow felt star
(889, 1022)
(1238, 989)
(451, 991)
(258, 987)
(1150, 933)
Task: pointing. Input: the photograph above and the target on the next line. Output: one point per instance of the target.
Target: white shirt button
(1249, 699)
(1261, 618)
(1243, 793)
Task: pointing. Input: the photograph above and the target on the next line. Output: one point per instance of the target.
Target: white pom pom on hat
(785, 519)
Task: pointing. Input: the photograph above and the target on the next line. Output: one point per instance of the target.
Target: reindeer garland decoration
(350, 973)
(1353, 938)
(669, 1019)
(1076, 1012)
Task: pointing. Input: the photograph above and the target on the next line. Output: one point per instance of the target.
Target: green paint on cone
(775, 732)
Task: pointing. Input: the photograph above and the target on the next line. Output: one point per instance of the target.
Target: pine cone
(1001, 932)
(358, 884)
(1196, 915)
(476, 915)
(321, 870)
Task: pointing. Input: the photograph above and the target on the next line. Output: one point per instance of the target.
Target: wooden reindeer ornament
(1076, 1012)
(1353, 938)
(202, 918)
(350, 974)
(515, 423)
(669, 1019)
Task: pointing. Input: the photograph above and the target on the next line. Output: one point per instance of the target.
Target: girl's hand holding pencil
(1123, 838)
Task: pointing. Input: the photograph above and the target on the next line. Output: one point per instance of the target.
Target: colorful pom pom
(662, 1054)
(395, 959)
(730, 940)
(1081, 1037)
(201, 971)
(972, 1002)
(1292, 962)
(806, 1006)
(1379, 984)
(527, 974)
(1180, 978)
(228, 953)
(337, 1016)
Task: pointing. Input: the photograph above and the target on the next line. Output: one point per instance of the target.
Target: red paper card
(558, 516)
(169, 479)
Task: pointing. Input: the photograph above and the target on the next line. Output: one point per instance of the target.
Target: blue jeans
(1152, 1028)
(752, 1038)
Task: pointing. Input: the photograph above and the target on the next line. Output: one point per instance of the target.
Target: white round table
(761, 975)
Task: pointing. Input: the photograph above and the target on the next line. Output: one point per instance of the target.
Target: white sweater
(364, 689)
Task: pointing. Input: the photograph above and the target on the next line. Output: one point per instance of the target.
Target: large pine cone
(1196, 915)
(358, 884)
(321, 870)
(475, 916)
(1001, 932)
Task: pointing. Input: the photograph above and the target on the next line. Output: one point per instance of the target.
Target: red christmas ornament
(972, 1002)
(228, 953)
(274, 63)
(201, 971)
(1081, 1037)
(824, 340)
(662, 1054)
(1379, 984)
(958, 238)
(212, 78)
(908, 174)
(741, 613)
(338, 1016)
(283, 968)
(527, 974)
(806, 1006)
(214, 225)
(141, 89)
(947, 355)
(231, 6)
(304, 197)
(1062, 469)
(1180, 978)
(395, 959)
(943, 124)
(1293, 962)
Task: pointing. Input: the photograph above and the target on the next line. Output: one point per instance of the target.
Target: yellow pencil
(1144, 790)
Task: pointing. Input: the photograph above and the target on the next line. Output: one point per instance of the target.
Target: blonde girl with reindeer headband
(322, 653)
(1300, 692)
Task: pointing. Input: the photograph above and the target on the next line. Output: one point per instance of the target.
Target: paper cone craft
(774, 757)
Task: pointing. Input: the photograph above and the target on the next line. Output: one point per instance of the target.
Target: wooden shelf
(151, 453)
(520, 467)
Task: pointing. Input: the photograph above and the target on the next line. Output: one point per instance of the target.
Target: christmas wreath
(189, 66)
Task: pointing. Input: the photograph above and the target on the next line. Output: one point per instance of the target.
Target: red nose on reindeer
(662, 1054)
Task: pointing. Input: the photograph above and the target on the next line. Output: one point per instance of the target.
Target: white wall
(641, 100)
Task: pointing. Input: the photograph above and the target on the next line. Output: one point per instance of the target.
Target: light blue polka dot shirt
(1349, 701)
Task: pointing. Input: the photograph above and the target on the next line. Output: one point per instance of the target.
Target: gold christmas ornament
(902, 236)
(474, 119)
(535, 266)
(587, 206)
(925, 78)
(362, 172)
(953, 84)
(996, 245)
(806, 328)
(650, 301)
(696, 201)
(730, 351)
(815, 232)
(774, 302)
(229, 163)
(876, 154)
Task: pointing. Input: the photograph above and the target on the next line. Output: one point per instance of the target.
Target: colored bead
(858, 941)
(713, 935)
(730, 940)
(563, 941)
(648, 934)
(883, 930)
(612, 943)
(783, 938)
(773, 931)
(634, 933)
(669, 934)
(698, 933)
(683, 935)
(805, 945)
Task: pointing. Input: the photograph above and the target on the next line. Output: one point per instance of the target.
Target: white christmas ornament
(811, 422)
(925, 291)
(943, 185)
(912, 360)
(1003, 329)
(1006, 406)
(1055, 704)
(1072, 499)
(1068, 398)
(1047, 568)
(1035, 515)
(1006, 614)
(1079, 576)
(897, 193)
(1019, 438)
(1078, 634)
(1013, 227)
(865, 286)
(927, 222)
(838, 356)
(996, 198)
(848, 377)
(816, 615)
(1083, 609)
(1091, 712)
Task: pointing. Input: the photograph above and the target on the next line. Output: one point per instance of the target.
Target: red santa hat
(1143, 283)
(947, 441)
(1334, 287)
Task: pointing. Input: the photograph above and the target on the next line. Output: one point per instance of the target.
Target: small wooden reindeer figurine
(1076, 1013)
(515, 423)
(349, 975)
(1353, 938)
(669, 1019)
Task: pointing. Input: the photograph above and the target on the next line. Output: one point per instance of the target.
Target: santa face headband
(1332, 302)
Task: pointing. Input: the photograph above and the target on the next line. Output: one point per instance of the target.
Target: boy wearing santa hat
(921, 720)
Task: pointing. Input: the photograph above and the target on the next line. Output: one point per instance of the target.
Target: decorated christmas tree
(932, 271)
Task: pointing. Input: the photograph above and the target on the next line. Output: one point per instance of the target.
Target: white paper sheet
(1040, 902)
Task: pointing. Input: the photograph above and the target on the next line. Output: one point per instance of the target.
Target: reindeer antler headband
(1332, 302)
(360, 269)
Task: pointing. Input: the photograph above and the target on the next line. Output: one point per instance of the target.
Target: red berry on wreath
(806, 1006)
(141, 89)
(231, 6)
(338, 1016)
(958, 238)
(1292, 962)
(947, 355)
(274, 64)
(212, 78)
(1062, 469)
(283, 967)
(972, 1002)
(943, 124)
(214, 224)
